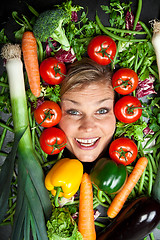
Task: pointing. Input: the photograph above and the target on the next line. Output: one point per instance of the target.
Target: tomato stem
(124, 83)
(48, 114)
(123, 153)
(56, 146)
(58, 70)
(103, 51)
(130, 109)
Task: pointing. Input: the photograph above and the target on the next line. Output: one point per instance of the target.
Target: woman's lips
(87, 143)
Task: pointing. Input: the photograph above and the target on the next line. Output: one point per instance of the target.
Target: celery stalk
(33, 206)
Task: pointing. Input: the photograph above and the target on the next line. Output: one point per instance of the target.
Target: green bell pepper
(108, 176)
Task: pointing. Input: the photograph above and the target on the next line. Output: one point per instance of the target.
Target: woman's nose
(87, 124)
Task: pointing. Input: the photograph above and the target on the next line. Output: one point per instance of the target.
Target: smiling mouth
(88, 142)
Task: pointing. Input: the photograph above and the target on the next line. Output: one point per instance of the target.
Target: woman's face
(88, 120)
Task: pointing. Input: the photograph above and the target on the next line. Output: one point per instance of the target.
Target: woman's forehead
(91, 91)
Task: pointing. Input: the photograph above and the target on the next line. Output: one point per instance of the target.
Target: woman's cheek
(109, 124)
(67, 125)
(113, 123)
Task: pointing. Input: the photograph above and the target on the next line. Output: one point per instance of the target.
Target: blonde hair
(85, 72)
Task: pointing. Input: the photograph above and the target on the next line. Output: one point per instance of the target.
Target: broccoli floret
(50, 24)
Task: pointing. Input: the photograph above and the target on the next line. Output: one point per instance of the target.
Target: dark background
(150, 10)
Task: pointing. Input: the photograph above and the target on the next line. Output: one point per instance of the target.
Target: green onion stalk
(33, 206)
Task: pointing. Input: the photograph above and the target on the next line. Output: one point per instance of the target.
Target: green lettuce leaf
(61, 226)
(130, 130)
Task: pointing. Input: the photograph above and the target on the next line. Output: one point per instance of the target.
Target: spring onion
(155, 41)
(33, 205)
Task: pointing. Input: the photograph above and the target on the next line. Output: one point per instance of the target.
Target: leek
(156, 42)
(33, 206)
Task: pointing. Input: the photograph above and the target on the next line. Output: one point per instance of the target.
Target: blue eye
(103, 111)
(73, 112)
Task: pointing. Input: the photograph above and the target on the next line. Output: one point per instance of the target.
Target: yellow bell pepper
(64, 178)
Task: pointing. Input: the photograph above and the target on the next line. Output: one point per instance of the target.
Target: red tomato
(52, 140)
(52, 71)
(126, 79)
(123, 151)
(128, 109)
(48, 114)
(102, 49)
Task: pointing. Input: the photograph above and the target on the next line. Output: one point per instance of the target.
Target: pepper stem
(58, 190)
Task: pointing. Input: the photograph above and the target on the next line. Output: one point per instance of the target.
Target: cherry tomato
(48, 114)
(52, 140)
(102, 49)
(52, 71)
(128, 109)
(125, 81)
(123, 151)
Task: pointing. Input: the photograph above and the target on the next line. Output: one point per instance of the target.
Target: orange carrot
(29, 49)
(86, 214)
(122, 196)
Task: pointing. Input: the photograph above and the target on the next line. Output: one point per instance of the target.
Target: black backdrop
(150, 10)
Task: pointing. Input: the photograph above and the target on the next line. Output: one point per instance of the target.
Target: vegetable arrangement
(48, 50)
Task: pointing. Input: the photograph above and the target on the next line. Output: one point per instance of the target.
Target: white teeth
(86, 142)
(91, 140)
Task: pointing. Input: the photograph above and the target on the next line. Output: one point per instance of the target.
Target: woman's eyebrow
(105, 100)
(98, 102)
(70, 100)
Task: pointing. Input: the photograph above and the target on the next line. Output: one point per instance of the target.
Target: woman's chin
(87, 160)
(86, 157)
(86, 154)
